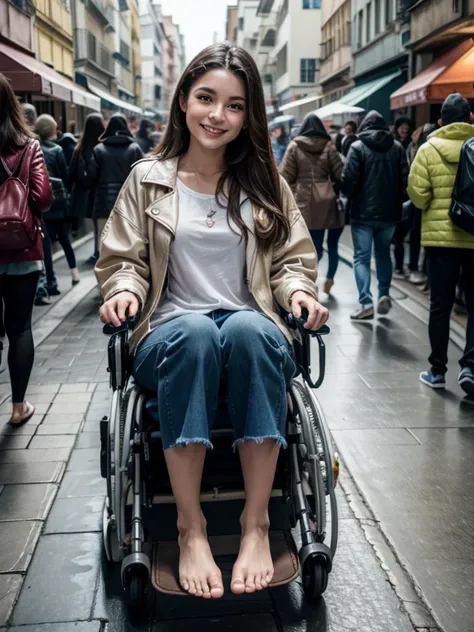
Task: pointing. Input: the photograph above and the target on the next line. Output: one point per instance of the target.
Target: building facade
(336, 53)
(231, 24)
(173, 58)
(152, 44)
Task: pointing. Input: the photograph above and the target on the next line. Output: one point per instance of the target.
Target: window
(388, 11)
(241, 24)
(157, 93)
(378, 17)
(368, 22)
(311, 4)
(307, 70)
(360, 26)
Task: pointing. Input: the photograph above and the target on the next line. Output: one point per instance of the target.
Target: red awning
(28, 74)
(451, 72)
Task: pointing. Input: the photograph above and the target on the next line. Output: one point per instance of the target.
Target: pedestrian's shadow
(293, 610)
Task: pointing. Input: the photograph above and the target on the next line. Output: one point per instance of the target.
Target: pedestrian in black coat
(374, 180)
(145, 135)
(111, 163)
(58, 219)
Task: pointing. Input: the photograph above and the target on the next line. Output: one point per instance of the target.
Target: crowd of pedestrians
(50, 182)
(390, 184)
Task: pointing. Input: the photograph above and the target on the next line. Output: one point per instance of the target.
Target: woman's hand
(317, 314)
(114, 311)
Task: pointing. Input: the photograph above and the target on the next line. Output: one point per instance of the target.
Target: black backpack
(462, 205)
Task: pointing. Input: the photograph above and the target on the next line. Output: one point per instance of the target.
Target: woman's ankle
(192, 525)
(253, 522)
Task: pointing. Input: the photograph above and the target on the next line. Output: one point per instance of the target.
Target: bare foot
(253, 569)
(21, 413)
(199, 575)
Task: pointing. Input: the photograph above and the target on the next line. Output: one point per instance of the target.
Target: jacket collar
(162, 172)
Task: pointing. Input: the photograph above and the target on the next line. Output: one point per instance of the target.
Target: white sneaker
(417, 278)
(384, 305)
(400, 275)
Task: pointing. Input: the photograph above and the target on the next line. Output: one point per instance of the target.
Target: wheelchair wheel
(113, 551)
(315, 578)
(136, 590)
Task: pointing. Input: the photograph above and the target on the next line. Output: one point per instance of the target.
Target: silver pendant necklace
(209, 221)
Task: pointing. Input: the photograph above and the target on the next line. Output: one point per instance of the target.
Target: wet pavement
(407, 448)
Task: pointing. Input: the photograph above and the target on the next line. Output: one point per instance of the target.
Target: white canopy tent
(335, 108)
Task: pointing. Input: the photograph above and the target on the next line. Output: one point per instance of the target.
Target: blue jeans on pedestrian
(185, 360)
(333, 240)
(379, 234)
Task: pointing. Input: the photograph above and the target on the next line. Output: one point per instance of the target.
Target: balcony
(264, 8)
(54, 11)
(88, 47)
(282, 13)
(102, 10)
(15, 22)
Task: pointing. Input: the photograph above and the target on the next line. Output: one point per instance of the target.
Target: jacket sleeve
(289, 166)
(420, 188)
(294, 263)
(137, 153)
(352, 173)
(123, 261)
(335, 164)
(40, 192)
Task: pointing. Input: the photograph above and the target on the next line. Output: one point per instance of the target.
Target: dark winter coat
(83, 186)
(145, 144)
(57, 169)
(40, 196)
(375, 174)
(111, 163)
(68, 144)
(312, 166)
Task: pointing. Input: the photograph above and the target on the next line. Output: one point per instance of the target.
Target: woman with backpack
(82, 183)
(111, 163)
(312, 167)
(58, 220)
(25, 192)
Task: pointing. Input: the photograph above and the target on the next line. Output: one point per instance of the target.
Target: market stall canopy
(109, 98)
(451, 72)
(332, 109)
(28, 74)
(304, 101)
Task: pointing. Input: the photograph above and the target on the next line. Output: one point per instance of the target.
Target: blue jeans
(185, 360)
(363, 236)
(333, 255)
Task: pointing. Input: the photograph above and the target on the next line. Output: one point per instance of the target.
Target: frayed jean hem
(280, 441)
(183, 442)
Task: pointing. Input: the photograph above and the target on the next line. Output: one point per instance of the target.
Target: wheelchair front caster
(135, 582)
(315, 578)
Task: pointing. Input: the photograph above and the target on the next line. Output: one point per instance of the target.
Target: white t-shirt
(206, 269)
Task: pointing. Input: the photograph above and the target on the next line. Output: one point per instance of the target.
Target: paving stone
(26, 502)
(74, 388)
(18, 544)
(75, 515)
(42, 388)
(52, 441)
(91, 426)
(10, 586)
(14, 442)
(27, 429)
(60, 584)
(79, 626)
(68, 398)
(11, 474)
(58, 429)
(68, 408)
(88, 440)
(63, 419)
(80, 484)
(35, 456)
(87, 460)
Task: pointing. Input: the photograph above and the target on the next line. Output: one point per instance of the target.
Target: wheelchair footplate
(225, 549)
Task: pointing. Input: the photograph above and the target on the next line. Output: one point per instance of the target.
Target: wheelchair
(139, 495)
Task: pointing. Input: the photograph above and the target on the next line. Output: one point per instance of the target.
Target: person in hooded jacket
(403, 130)
(374, 180)
(145, 135)
(312, 167)
(110, 166)
(448, 248)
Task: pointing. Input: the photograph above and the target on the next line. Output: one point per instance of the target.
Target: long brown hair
(14, 132)
(249, 162)
(93, 129)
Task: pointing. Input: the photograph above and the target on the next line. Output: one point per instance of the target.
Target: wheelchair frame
(312, 472)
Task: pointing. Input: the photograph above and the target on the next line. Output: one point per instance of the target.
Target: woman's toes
(250, 585)
(216, 587)
(269, 577)
(192, 587)
(184, 584)
(258, 582)
(237, 585)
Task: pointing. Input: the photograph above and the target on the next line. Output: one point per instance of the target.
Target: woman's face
(215, 108)
(404, 131)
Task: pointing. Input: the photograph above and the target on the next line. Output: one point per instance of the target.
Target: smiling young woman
(207, 241)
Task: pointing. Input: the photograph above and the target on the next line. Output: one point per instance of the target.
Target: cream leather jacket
(136, 242)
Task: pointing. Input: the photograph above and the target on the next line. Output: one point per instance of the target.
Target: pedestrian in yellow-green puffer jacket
(448, 248)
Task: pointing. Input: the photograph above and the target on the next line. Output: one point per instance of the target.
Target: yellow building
(136, 56)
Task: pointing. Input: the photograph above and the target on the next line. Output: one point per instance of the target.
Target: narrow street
(407, 448)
